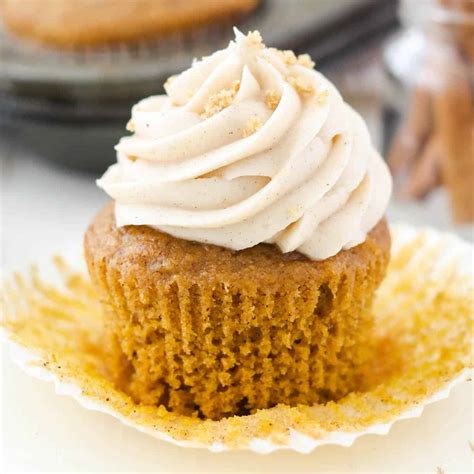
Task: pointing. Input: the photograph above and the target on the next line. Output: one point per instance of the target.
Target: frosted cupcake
(239, 262)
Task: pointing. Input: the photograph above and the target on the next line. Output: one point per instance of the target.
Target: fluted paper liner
(424, 310)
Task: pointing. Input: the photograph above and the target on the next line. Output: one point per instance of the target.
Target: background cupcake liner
(450, 267)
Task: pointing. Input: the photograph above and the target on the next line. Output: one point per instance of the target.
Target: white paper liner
(455, 249)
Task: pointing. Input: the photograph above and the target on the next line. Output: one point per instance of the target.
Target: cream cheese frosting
(250, 145)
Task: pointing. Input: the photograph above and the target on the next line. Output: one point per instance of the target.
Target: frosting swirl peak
(250, 145)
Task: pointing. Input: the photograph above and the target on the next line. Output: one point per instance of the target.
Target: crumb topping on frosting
(302, 84)
(252, 126)
(291, 59)
(130, 126)
(169, 81)
(305, 61)
(272, 99)
(254, 39)
(322, 97)
(221, 100)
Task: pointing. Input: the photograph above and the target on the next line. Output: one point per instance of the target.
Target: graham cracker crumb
(169, 81)
(252, 126)
(322, 97)
(221, 100)
(272, 99)
(306, 61)
(301, 84)
(294, 212)
(254, 39)
(287, 56)
(290, 58)
(130, 126)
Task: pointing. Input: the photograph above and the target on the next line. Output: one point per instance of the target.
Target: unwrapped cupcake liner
(298, 442)
(424, 305)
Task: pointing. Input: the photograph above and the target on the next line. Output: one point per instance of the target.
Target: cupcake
(80, 23)
(238, 263)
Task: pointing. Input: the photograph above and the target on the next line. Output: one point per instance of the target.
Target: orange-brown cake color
(79, 23)
(208, 331)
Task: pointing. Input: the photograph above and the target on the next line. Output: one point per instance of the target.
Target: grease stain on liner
(424, 337)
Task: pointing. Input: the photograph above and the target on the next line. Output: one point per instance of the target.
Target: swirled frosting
(250, 145)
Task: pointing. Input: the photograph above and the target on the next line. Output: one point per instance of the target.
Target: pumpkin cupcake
(238, 264)
(84, 23)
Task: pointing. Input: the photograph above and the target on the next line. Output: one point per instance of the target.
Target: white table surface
(45, 209)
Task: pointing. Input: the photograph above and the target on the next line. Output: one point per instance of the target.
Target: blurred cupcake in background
(88, 23)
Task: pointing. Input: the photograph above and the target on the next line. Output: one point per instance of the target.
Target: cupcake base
(212, 332)
(52, 320)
